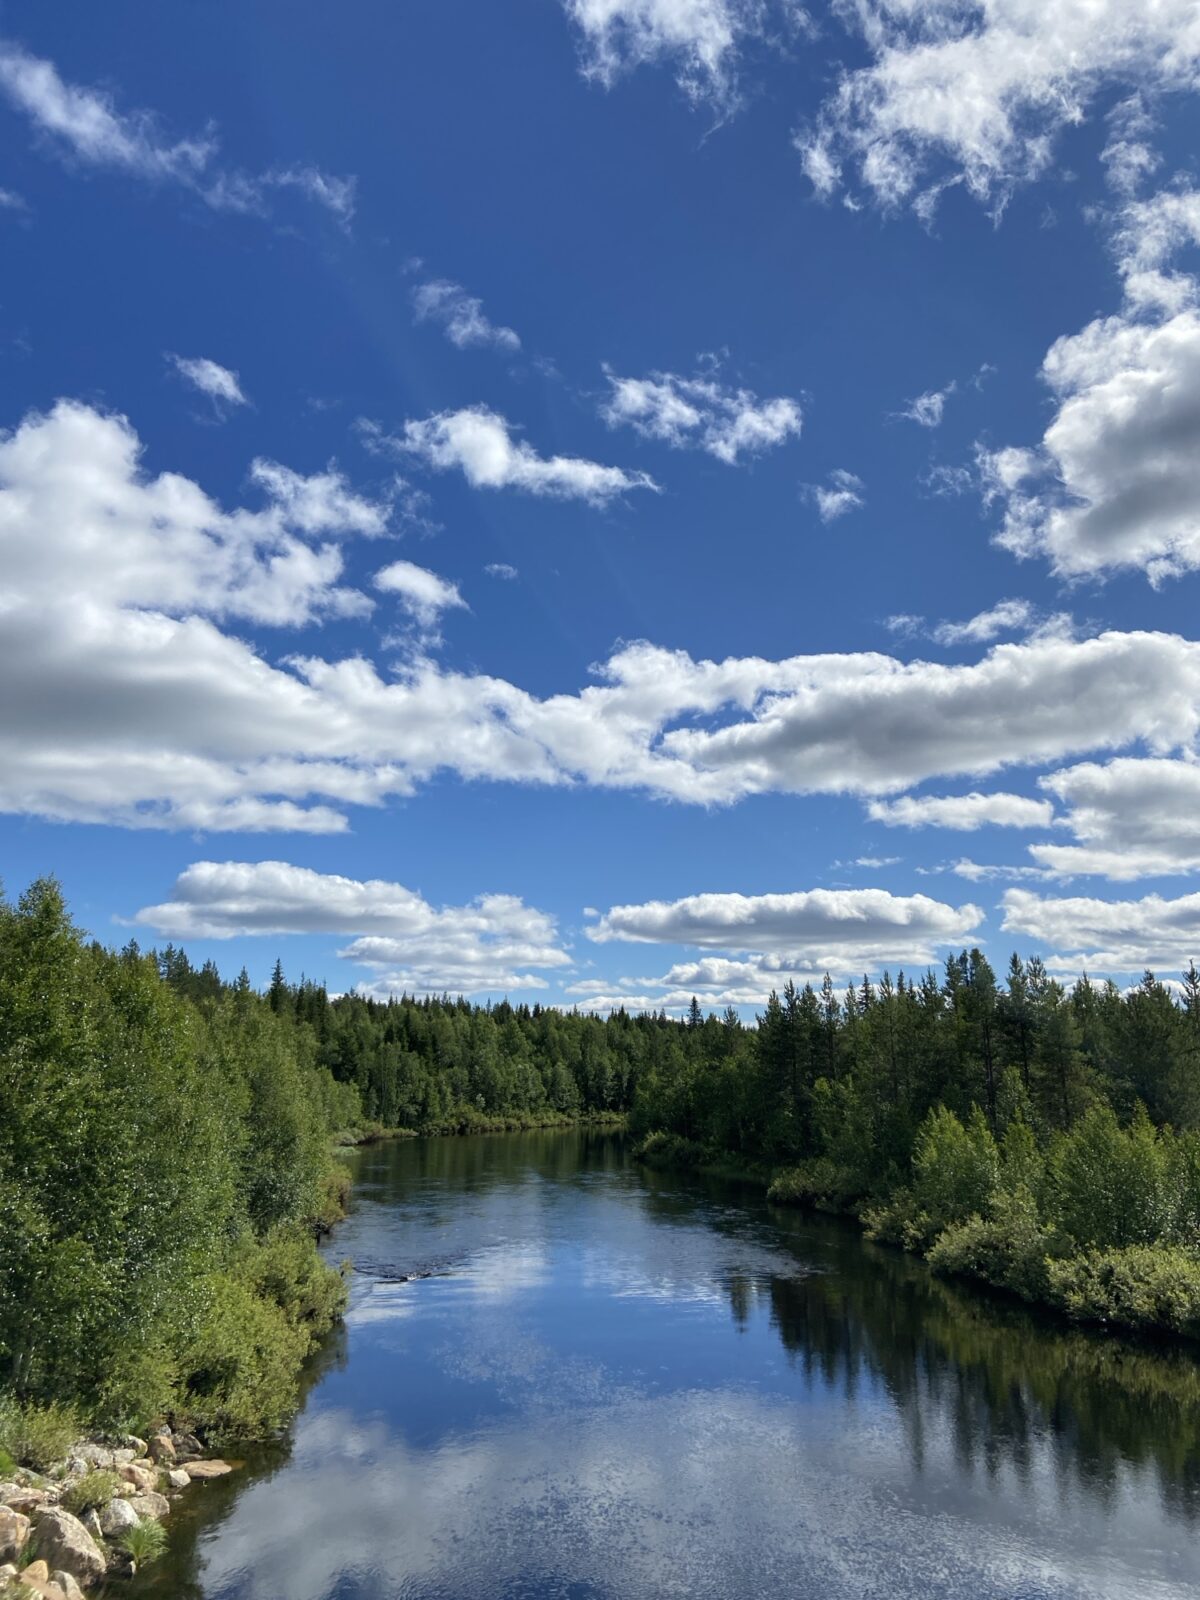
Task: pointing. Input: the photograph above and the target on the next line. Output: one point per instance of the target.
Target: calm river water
(629, 1385)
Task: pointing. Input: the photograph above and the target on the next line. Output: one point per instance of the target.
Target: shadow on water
(962, 1384)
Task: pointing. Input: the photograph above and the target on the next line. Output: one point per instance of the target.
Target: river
(623, 1384)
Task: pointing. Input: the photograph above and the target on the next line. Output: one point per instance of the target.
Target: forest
(168, 1145)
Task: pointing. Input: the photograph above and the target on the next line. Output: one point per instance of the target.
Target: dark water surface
(624, 1384)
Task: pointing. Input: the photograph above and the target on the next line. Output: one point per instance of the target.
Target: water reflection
(623, 1384)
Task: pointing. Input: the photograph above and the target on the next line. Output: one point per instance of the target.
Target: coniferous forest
(168, 1144)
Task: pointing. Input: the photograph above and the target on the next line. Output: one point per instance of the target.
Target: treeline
(1042, 1140)
(164, 1166)
(438, 1065)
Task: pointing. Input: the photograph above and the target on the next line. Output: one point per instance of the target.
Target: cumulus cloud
(816, 929)
(1006, 616)
(406, 943)
(423, 594)
(976, 92)
(962, 812)
(842, 492)
(479, 443)
(222, 386)
(700, 413)
(1107, 935)
(460, 316)
(1131, 818)
(86, 125)
(1115, 481)
(127, 701)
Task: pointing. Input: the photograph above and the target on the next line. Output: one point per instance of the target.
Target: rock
(14, 1533)
(154, 1506)
(70, 1589)
(116, 1516)
(91, 1522)
(123, 1456)
(96, 1455)
(7, 1573)
(21, 1497)
(187, 1446)
(142, 1478)
(130, 1441)
(207, 1469)
(178, 1478)
(67, 1543)
(36, 1572)
(162, 1449)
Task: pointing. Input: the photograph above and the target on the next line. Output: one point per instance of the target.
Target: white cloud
(501, 570)
(842, 929)
(11, 201)
(928, 409)
(1108, 935)
(85, 125)
(700, 38)
(962, 812)
(220, 384)
(460, 316)
(1132, 819)
(479, 443)
(405, 942)
(126, 701)
(842, 493)
(979, 89)
(1128, 157)
(700, 413)
(1006, 616)
(423, 594)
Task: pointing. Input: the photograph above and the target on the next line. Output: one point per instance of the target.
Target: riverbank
(80, 1511)
(1002, 1244)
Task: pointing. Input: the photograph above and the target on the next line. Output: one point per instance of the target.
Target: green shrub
(819, 1182)
(7, 1465)
(900, 1221)
(38, 1436)
(1140, 1286)
(1008, 1248)
(144, 1542)
(89, 1493)
(956, 1170)
(661, 1149)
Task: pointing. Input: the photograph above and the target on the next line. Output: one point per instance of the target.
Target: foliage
(91, 1492)
(1008, 1248)
(143, 1543)
(37, 1435)
(1139, 1286)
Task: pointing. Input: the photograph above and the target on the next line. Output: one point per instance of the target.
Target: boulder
(132, 1442)
(178, 1478)
(154, 1506)
(96, 1455)
(91, 1522)
(123, 1456)
(70, 1589)
(142, 1477)
(116, 1516)
(162, 1449)
(207, 1469)
(14, 1533)
(22, 1497)
(36, 1572)
(66, 1543)
(187, 1446)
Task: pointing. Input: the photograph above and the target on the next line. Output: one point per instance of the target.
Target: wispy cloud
(700, 413)
(460, 316)
(220, 384)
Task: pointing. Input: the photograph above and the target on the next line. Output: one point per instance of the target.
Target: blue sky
(603, 499)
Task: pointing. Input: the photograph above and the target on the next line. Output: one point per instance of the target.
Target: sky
(601, 501)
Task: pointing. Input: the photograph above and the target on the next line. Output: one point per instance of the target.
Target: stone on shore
(14, 1533)
(178, 1478)
(154, 1506)
(162, 1449)
(66, 1543)
(115, 1517)
(142, 1477)
(68, 1585)
(207, 1469)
